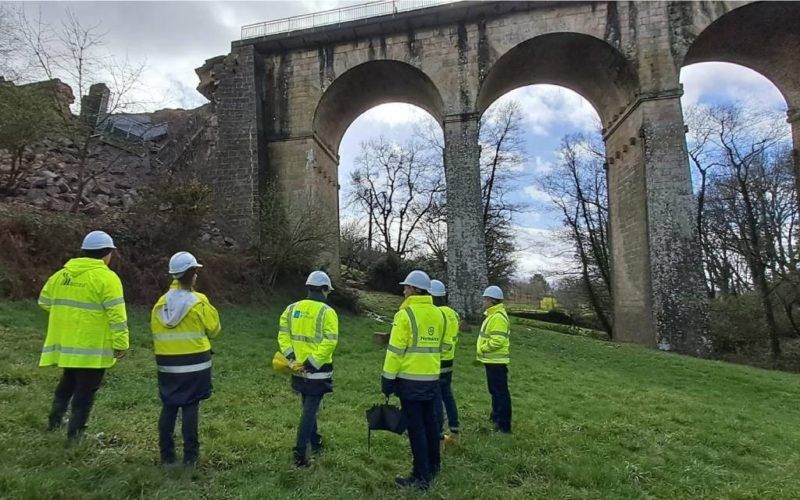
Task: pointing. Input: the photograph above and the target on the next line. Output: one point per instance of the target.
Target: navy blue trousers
(190, 416)
(423, 436)
(497, 381)
(447, 403)
(307, 430)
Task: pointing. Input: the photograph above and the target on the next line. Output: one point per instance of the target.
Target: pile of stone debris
(52, 179)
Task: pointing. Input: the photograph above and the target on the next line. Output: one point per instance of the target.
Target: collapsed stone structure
(283, 103)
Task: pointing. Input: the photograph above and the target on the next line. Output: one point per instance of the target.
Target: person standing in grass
(182, 321)
(448, 402)
(493, 352)
(308, 334)
(411, 371)
(87, 330)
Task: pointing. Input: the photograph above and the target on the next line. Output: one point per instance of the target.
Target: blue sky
(176, 37)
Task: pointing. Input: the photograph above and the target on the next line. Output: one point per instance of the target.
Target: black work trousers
(497, 381)
(190, 420)
(423, 435)
(77, 386)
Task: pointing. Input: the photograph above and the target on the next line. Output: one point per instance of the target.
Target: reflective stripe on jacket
(87, 319)
(493, 340)
(309, 329)
(450, 340)
(414, 350)
(189, 333)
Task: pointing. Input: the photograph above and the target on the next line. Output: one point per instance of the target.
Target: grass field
(591, 420)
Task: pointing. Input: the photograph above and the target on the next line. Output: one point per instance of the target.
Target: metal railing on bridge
(336, 16)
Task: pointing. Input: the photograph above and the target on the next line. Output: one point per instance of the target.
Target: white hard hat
(493, 292)
(182, 262)
(418, 279)
(319, 278)
(437, 289)
(97, 240)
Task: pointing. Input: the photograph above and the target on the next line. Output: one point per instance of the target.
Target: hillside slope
(591, 420)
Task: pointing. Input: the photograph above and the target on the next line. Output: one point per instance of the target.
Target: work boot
(301, 460)
(77, 423)
(75, 435)
(412, 482)
(56, 418)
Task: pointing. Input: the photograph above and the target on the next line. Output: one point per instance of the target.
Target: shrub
(737, 324)
(554, 316)
(293, 240)
(34, 245)
(347, 299)
(387, 272)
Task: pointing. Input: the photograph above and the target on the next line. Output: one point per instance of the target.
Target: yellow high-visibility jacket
(87, 319)
(309, 329)
(182, 321)
(493, 341)
(450, 338)
(414, 350)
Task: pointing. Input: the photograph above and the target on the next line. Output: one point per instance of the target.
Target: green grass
(591, 420)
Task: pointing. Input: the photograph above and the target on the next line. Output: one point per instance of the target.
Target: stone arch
(366, 86)
(583, 63)
(762, 36)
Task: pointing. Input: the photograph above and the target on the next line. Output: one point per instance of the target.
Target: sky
(174, 38)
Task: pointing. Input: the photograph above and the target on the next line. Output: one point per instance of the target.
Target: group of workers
(87, 332)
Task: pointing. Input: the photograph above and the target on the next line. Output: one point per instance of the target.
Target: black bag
(385, 417)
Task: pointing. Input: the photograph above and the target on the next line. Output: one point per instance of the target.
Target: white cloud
(395, 114)
(537, 194)
(716, 81)
(541, 251)
(542, 166)
(546, 106)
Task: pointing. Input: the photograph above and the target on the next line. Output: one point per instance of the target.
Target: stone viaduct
(283, 103)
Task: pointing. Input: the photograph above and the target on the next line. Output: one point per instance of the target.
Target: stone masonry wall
(234, 177)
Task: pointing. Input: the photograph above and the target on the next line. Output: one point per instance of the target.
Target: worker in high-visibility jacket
(411, 371)
(493, 352)
(307, 335)
(182, 321)
(87, 329)
(449, 343)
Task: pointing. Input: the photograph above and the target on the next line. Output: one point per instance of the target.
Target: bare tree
(502, 156)
(72, 52)
(749, 206)
(396, 186)
(578, 187)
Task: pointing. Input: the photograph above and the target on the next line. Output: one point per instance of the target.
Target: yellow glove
(280, 364)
